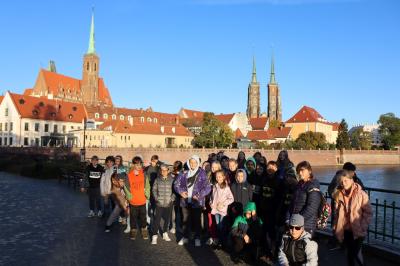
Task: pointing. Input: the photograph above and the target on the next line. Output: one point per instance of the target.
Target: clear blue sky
(341, 57)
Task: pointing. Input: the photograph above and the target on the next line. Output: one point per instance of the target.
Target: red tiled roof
(28, 92)
(258, 123)
(150, 129)
(270, 134)
(45, 109)
(306, 114)
(238, 134)
(55, 81)
(335, 126)
(225, 118)
(1, 99)
(193, 113)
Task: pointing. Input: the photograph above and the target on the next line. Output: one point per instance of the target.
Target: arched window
(142, 119)
(114, 116)
(121, 117)
(87, 66)
(97, 115)
(105, 116)
(129, 118)
(155, 120)
(149, 119)
(95, 67)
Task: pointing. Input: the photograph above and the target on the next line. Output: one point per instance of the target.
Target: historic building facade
(253, 95)
(274, 97)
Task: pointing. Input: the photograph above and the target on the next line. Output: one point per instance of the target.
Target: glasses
(295, 227)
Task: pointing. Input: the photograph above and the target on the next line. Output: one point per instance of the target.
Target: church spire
(272, 75)
(91, 49)
(254, 75)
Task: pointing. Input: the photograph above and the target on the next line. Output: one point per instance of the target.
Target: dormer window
(142, 119)
(97, 115)
(105, 116)
(114, 117)
(35, 112)
(53, 114)
(70, 116)
(21, 101)
(74, 108)
(41, 104)
(121, 117)
(155, 120)
(148, 119)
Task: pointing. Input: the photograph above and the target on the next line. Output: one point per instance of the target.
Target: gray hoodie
(291, 250)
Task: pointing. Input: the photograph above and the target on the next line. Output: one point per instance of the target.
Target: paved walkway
(44, 223)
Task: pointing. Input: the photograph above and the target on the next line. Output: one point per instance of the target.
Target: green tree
(311, 140)
(343, 139)
(361, 139)
(389, 128)
(214, 133)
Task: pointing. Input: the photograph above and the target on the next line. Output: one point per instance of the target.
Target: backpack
(324, 210)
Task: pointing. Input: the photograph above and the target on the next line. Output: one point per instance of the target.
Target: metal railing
(384, 229)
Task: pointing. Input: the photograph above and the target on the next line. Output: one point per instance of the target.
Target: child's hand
(184, 195)
(82, 189)
(195, 198)
(246, 239)
(220, 206)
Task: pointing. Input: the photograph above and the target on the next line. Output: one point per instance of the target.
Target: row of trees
(217, 134)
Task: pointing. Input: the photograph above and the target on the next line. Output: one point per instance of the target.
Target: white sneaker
(197, 242)
(166, 237)
(154, 240)
(120, 219)
(183, 241)
(99, 214)
(128, 229)
(91, 214)
(215, 241)
(209, 241)
(172, 231)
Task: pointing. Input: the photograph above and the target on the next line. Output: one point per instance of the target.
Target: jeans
(95, 199)
(114, 215)
(165, 214)
(219, 222)
(191, 221)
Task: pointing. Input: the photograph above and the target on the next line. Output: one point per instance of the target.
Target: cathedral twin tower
(274, 97)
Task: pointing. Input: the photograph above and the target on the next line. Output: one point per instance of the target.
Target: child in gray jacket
(163, 197)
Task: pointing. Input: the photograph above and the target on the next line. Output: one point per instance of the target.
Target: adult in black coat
(307, 198)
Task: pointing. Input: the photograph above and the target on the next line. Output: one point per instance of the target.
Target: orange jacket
(139, 187)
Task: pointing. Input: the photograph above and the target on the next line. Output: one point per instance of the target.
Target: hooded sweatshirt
(242, 192)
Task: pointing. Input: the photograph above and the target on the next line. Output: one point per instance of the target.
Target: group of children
(244, 205)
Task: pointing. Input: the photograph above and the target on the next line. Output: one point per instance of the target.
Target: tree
(311, 140)
(389, 128)
(361, 139)
(214, 133)
(343, 139)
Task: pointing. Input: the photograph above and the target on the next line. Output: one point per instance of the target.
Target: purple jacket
(202, 187)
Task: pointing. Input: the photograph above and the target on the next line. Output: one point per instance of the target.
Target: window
(26, 141)
(46, 127)
(155, 120)
(105, 116)
(72, 127)
(129, 118)
(114, 117)
(10, 141)
(5, 141)
(121, 117)
(26, 127)
(95, 66)
(1, 126)
(37, 141)
(37, 127)
(149, 119)
(64, 128)
(87, 66)
(96, 115)
(5, 128)
(55, 129)
(1, 142)
(11, 127)
(6, 112)
(142, 119)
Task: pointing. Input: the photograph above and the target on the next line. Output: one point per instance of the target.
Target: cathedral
(274, 97)
(90, 90)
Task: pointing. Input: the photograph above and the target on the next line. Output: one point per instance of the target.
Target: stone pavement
(43, 222)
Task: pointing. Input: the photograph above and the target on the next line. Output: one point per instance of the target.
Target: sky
(341, 57)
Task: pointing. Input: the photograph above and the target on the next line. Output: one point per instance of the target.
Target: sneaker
(154, 240)
(165, 236)
(128, 229)
(145, 233)
(108, 229)
(209, 241)
(133, 234)
(120, 219)
(172, 231)
(183, 241)
(216, 241)
(197, 242)
(100, 214)
(91, 214)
